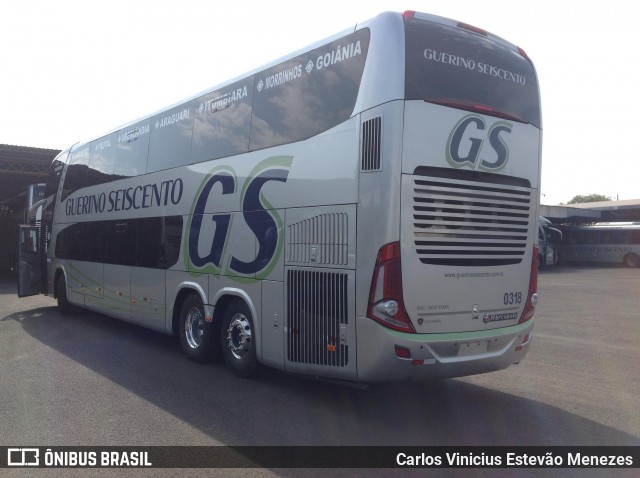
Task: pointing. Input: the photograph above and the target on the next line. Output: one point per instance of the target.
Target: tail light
(532, 295)
(524, 54)
(386, 305)
(408, 15)
(473, 29)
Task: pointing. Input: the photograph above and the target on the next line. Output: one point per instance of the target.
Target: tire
(64, 306)
(237, 338)
(197, 337)
(631, 260)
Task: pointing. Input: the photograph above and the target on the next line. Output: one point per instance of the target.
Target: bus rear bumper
(386, 355)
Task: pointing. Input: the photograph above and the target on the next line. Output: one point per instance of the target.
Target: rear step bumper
(386, 355)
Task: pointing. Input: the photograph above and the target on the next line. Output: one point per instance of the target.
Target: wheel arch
(183, 291)
(228, 294)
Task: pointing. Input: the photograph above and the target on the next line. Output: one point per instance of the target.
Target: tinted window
(308, 94)
(102, 159)
(289, 102)
(121, 242)
(93, 241)
(133, 147)
(51, 190)
(222, 121)
(454, 65)
(76, 176)
(172, 239)
(149, 242)
(149, 247)
(170, 142)
(53, 177)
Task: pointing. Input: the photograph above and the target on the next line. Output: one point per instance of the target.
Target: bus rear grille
(460, 222)
(316, 313)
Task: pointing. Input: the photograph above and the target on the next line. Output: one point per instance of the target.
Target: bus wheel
(631, 260)
(238, 340)
(64, 306)
(197, 337)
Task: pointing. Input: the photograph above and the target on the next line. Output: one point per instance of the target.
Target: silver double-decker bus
(364, 209)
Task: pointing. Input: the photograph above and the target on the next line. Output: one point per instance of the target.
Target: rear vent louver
(316, 315)
(322, 239)
(371, 144)
(461, 222)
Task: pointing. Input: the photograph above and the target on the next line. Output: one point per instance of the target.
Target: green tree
(579, 199)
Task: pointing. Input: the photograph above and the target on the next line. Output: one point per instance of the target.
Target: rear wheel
(197, 337)
(237, 338)
(632, 260)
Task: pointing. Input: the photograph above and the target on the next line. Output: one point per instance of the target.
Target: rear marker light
(403, 352)
(525, 341)
(408, 15)
(473, 29)
(524, 54)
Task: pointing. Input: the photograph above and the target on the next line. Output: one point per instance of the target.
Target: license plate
(473, 348)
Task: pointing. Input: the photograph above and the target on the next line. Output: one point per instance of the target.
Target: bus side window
(620, 237)
(121, 242)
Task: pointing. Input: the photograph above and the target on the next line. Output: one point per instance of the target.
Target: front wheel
(632, 260)
(197, 337)
(237, 338)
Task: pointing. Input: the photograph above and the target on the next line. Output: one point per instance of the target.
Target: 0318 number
(512, 298)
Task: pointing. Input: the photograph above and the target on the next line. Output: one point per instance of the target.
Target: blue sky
(75, 69)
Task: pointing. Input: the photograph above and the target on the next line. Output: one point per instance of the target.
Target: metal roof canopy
(614, 211)
(19, 167)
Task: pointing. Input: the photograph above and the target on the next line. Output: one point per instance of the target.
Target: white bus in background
(365, 209)
(603, 242)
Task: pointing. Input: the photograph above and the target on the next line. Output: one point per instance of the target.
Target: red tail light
(524, 54)
(408, 14)
(532, 295)
(473, 29)
(385, 296)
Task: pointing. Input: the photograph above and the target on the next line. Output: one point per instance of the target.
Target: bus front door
(30, 273)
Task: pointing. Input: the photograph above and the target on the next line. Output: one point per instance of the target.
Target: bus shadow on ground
(280, 409)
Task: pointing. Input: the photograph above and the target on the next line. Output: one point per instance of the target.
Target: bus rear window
(456, 67)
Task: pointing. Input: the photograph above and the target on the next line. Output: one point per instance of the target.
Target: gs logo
(263, 221)
(466, 144)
